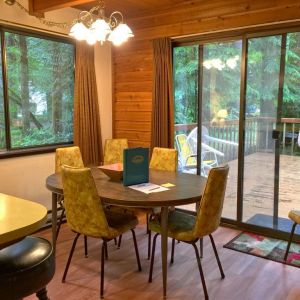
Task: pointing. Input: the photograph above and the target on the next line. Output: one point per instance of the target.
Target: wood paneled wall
(132, 62)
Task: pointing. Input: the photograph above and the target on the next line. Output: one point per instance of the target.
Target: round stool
(26, 268)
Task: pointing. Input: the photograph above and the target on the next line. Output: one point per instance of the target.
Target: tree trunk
(24, 80)
(57, 90)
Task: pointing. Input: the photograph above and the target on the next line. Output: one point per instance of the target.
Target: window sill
(31, 151)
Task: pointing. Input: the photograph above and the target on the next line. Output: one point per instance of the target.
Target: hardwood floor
(247, 277)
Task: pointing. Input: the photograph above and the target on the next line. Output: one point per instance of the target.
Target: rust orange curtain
(87, 131)
(162, 133)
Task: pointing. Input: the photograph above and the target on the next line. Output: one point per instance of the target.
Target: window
(36, 91)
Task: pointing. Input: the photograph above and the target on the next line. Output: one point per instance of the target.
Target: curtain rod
(233, 29)
(24, 26)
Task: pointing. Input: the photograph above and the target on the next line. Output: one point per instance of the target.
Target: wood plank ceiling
(150, 19)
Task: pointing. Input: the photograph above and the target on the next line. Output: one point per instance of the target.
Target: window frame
(30, 150)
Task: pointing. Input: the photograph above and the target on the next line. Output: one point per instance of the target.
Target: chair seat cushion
(295, 216)
(120, 221)
(26, 267)
(180, 225)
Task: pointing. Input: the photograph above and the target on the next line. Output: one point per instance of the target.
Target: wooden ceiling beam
(41, 6)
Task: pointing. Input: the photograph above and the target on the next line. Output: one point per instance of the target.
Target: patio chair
(188, 155)
(206, 139)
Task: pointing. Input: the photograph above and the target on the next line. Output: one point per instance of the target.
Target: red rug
(265, 247)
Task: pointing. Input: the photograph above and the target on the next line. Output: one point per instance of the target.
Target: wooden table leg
(54, 219)
(164, 246)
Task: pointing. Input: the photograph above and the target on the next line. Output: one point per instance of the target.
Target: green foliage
(221, 84)
(40, 79)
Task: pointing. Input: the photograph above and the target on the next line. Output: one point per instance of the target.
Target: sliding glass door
(220, 108)
(261, 110)
(237, 101)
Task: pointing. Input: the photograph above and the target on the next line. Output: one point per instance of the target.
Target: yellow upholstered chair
(70, 156)
(113, 150)
(86, 215)
(294, 215)
(164, 159)
(189, 228)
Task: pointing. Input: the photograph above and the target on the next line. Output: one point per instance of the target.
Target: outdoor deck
(259, 186)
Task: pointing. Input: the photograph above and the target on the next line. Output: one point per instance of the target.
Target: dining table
(19, 218)
(184, 189)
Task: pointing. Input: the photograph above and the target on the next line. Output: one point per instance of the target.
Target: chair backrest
(164, 159)
(211, 204)
(70, 156)
(113, 150)
(84, 210)
(185, 150)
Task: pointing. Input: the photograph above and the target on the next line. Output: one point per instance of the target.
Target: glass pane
(220, 114)
(186, 104)
(185, 64)
(263, 66)
(290, 142)
(2, 117)
(40, 90)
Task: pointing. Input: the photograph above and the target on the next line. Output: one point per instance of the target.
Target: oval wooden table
(19, 218)
(187, 189)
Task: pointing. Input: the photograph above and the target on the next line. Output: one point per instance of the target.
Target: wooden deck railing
(258, 134)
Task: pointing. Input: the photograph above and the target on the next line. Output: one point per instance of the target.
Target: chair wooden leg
(116, 242)
(201, 247)
(152, 257)
(217, 256)
(290, 241)
(42, 294)
(149, 244)
(60, 222)
(85, 247)
(106, 251)
(119, 242)
(147, 223)
(104, 245)
(136, 250)
(173, 250)
(70, 257)
(201, 271)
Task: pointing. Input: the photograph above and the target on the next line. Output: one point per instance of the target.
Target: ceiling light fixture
(93, 26)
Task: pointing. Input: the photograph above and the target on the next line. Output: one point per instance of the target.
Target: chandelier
(93, 26)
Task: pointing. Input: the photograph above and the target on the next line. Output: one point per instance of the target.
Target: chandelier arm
(114, 20)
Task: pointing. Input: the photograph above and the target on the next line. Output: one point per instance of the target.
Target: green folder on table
(135, 166)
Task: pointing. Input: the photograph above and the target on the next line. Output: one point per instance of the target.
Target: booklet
(148, 188)
(135, 166)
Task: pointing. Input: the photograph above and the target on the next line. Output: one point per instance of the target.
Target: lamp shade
(120, 34)
(78, 31)
(101, 29)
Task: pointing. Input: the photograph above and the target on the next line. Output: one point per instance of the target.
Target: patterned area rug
(265, 247)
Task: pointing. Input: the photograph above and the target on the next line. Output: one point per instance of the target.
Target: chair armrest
(211, 149)
(210, 138)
